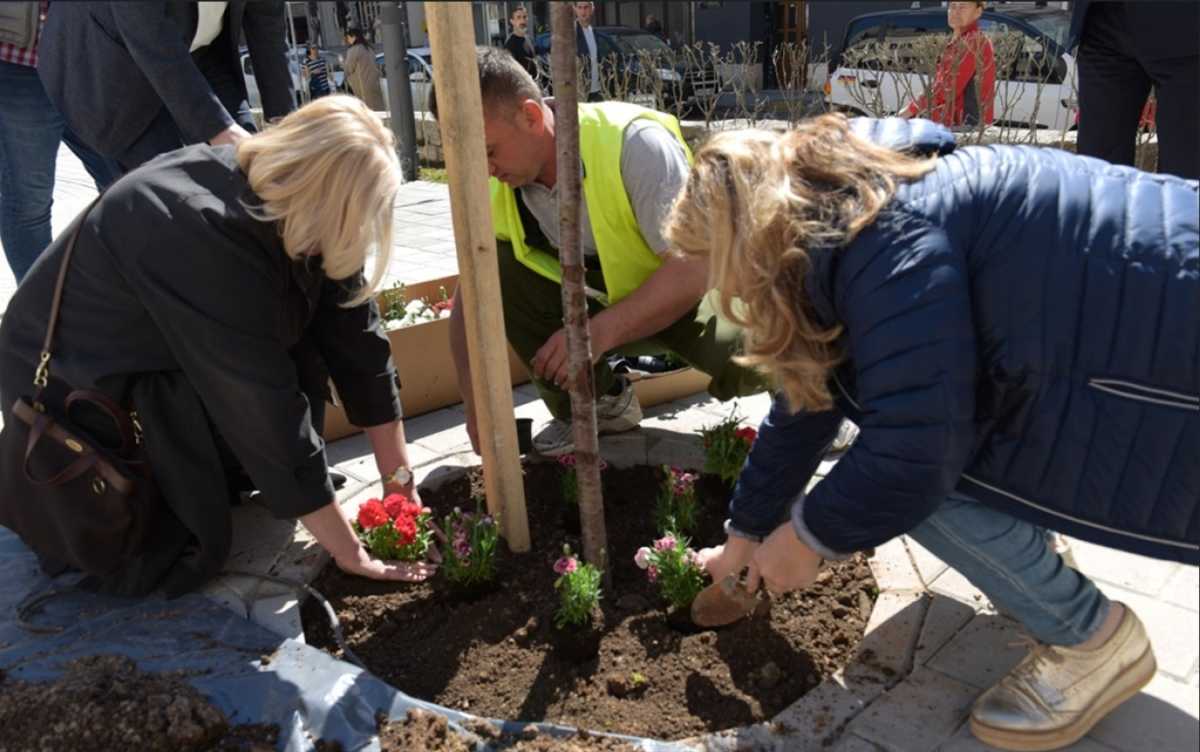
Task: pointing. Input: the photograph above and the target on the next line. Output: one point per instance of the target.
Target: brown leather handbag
(72, 498)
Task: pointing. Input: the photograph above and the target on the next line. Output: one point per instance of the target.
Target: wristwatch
(401, 476)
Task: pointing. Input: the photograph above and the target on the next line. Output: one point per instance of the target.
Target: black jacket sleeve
(907, 311)
(358, 355)
(151, 34)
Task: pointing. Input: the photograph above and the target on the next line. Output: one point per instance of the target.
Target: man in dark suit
(1124, 49)
(135, 80)
(588, 48)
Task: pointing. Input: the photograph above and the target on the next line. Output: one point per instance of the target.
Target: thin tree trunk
(570, 254)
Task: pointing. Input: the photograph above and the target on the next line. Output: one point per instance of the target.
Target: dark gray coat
(110, 68)
(182, 305)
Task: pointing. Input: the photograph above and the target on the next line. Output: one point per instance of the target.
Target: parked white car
(1035, 76)
(420, 76)
(299, 86)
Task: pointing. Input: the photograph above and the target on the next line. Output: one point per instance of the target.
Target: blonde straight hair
(757, 204)
(328, 175)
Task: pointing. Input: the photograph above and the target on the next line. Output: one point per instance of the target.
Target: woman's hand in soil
(783, 563)
(363, 564)
(730, 558)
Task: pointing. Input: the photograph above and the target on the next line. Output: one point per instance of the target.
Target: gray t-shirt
(654, 169)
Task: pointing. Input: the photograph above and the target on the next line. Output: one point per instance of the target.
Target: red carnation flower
(371, 514)
(394, 504)
(746, 434)
(406, 528)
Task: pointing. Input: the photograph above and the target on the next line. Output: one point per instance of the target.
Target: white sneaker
(614, 414)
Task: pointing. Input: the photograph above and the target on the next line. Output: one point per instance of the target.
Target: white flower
(642, 557)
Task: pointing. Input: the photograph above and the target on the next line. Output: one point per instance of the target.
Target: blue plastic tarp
(250, 673)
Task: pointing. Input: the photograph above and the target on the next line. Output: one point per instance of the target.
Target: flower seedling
(398, 311)
(570, 480)
(676, 508)
(726, 446)
(578, 588)
(394, 528)
(470, 558)
(674, 567)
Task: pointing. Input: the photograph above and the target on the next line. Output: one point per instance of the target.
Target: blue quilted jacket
(1022, 325)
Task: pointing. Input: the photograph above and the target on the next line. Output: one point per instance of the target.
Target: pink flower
(642, 557)
(665, 543)
(652, 573)
(462, 546)
(372, 514)
(566, 565)
(567, 460)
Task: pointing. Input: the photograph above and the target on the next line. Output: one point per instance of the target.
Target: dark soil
(495, 657)
(104, 702)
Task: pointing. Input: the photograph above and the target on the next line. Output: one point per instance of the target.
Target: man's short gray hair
(503, 82)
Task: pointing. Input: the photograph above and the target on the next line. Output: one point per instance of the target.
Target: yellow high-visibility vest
(625, 258)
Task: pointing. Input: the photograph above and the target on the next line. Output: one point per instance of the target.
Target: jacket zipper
(1152, 395)
(1099, 384)
(1077, 520)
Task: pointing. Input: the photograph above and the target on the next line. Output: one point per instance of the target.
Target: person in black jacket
(135, 80)
(213, 290)
(1125, 49)
(518, 44)
(959, 309)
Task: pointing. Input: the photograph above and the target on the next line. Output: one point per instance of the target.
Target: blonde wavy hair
(757, 204)
(328, 175)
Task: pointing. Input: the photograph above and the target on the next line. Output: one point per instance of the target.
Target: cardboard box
(427, 376)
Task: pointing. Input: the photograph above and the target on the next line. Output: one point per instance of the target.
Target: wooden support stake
(460, 117)
(570, 257)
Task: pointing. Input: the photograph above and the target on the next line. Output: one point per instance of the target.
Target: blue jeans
(30, 132)
(1012, 562)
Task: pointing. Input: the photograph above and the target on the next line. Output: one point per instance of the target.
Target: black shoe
(338, 479)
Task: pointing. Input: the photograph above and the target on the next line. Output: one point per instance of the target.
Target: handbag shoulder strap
(41, 376)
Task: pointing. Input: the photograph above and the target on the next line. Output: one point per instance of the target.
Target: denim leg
(30, 130)
(104, 171)
(1012, 563)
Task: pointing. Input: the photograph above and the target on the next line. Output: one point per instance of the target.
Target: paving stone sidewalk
(933, 642)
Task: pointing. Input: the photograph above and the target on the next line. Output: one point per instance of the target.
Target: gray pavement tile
(1132, 572)
(854, 743)
(981, 653)
(945, 618)
(818, 719)
(1183, 589)
(1162, 718)
(918, 714)
(964, 741)
(929, 566)
(951, 583)
(892, 632)
(893, 569)
(1174, 631)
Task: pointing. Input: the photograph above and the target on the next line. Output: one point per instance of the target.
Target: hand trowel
(724, 602)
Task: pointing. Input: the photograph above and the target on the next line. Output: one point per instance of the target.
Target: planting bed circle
(495, 656)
